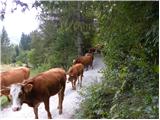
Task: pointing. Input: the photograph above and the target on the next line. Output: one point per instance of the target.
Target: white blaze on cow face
(16, 94)
(67, 76)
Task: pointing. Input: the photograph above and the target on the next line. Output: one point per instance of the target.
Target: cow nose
(16, 109)
(68, 81)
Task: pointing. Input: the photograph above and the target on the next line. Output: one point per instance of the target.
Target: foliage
(22, 57)
(61, 38)
(97, 101)
(129, 32)
(3, 101)
(25, 42)
(7, 50)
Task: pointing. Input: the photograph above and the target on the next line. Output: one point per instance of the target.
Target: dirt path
(71, 100)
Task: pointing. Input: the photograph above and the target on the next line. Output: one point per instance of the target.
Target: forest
(129, 33)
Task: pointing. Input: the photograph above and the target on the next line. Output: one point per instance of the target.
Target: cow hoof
(74, 88)
(58, 107)
(50, 117)
(60, 112)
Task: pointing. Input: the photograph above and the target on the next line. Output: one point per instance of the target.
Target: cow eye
(20, 94)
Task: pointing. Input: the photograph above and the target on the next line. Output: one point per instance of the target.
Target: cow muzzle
(16, 108)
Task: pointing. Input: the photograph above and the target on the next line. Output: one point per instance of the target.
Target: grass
(33, 72)
(3, 101)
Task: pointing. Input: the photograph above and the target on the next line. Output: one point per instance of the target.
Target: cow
(74, 72)
(96, 49)
(92, 50)
(90, 54)
(86, 60)
(39, 89)
(16, 75)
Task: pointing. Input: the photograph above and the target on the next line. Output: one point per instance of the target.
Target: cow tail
(64, 83)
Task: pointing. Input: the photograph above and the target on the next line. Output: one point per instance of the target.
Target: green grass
(4, 101)
(33, 72)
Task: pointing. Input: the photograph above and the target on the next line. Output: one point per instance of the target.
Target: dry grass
(5, 67)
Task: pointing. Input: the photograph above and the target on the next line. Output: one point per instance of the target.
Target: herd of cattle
(19, 88)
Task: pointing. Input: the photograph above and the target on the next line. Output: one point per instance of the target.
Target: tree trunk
(79, 36)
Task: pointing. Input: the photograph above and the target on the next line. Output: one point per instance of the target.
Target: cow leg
(60, 102)
(81, 80)
(72, 85)
(61, 97)
(78, 79)
(75, 80)
(35, 108)
(87, 68)
(92, 65)
(46, 103)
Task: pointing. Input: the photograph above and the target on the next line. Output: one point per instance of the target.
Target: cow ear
(5, 91)
(28, 87)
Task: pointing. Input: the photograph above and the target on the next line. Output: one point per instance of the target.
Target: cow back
(14, 76)
(76, 69)
(48, 83)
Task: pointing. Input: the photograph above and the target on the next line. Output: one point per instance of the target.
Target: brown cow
(74, 72)
(92, 50)
(96, 49)
(85, 60)
(14, 76)
(39, 89)
(90, 54)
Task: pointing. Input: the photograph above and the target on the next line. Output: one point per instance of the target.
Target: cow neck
(29, 95)
(29, 98)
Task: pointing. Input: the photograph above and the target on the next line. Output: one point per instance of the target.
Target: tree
(5, 47)
(72, 16)
(62, 32)
(25, 42)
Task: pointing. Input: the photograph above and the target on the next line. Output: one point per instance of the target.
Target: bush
(19, 63)
(98, 100)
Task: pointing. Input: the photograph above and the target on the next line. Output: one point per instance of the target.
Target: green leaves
(96, 103)
(130, 34)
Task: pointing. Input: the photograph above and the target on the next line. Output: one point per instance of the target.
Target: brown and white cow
(39, 89)
(74, 73)
(86, 60)
(16, 75)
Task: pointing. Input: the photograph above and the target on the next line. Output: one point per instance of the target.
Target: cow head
(69, 78)
(18, 94)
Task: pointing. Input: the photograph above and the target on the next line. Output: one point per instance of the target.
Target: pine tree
(5, 47)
